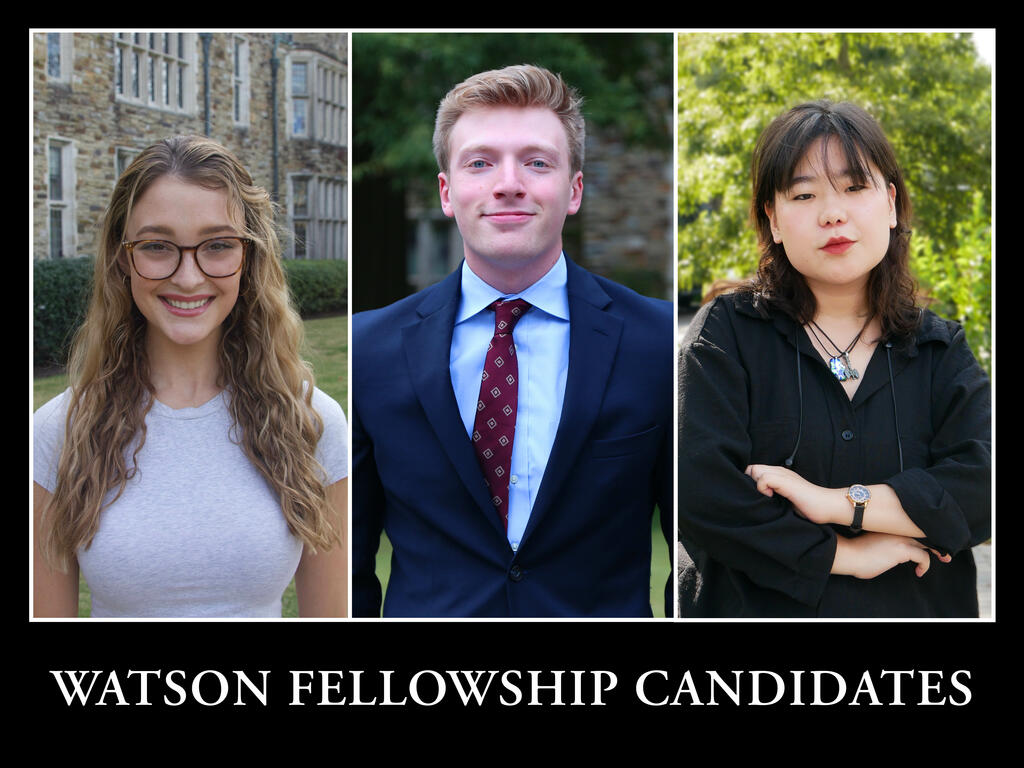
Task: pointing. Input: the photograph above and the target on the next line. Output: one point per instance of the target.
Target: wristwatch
(859, 496)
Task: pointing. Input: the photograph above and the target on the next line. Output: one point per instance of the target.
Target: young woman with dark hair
(834, 437)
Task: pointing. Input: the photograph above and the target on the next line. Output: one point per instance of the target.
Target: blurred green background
(931, 93)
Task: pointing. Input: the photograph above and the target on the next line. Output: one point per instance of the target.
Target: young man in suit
(512, 425)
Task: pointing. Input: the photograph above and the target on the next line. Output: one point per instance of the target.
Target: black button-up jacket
(743, 380)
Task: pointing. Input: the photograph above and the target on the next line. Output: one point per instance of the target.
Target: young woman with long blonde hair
(191, 468)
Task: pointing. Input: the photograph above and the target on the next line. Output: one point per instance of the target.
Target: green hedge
(61, 294)
(318, 286)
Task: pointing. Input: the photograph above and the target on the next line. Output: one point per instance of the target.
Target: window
(155, 69)
(58, 56)
(123, 157)
(300, 98)
(318, 210)
(317, 93)
(240, 78)
(300, 215)
(60, 197)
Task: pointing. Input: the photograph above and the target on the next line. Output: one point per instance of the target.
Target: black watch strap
(858, 516)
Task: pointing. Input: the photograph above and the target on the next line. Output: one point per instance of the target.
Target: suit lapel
(427, 346)
(594, 335)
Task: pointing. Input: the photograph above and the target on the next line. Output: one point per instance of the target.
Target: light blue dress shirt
(542, 350)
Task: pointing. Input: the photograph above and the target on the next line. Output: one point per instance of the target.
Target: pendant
(851, 372)
(838, 369)
(841, 368)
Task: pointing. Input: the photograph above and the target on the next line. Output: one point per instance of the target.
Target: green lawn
(327, 342)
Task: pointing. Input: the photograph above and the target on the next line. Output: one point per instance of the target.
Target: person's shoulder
(933, 328)
(729, 316)
(387, 314)
(332, 450)
(48, 439)
(619, 292)
(945, 343)
(633, 305)
(330, 410)
(743, 303)
(376, 333)
(388, 317)
(53, 411)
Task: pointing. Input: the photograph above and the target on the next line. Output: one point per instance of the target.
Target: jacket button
(847, 434)
(515, 573)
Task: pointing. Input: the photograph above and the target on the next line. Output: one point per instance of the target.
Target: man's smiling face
(510, 187)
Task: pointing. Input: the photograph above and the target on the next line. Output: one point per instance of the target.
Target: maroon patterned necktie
(495, 425)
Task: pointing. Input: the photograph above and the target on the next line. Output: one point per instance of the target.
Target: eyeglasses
(159, 259)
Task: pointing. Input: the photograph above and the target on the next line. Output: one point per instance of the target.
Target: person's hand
(871, 554)
(817, 504)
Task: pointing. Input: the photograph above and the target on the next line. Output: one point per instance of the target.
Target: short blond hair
(523, 85)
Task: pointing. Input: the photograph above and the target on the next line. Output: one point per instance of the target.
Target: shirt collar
(548, 294)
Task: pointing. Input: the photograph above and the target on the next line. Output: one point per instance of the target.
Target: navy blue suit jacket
(587, 548)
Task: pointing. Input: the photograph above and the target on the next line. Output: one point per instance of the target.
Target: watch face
(859, 493)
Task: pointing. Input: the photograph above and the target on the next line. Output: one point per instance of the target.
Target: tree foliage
(931, 94)
(398, 80)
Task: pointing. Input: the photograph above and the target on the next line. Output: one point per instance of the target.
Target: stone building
(278, 101)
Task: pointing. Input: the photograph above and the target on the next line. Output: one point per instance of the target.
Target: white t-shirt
(198, 531)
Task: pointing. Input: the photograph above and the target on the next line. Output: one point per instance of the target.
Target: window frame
(130, 153)
(65, 56)
(160, 76)
(65, 202)
(292, 97)
(325, 219)
(325, 100)
(241, 84)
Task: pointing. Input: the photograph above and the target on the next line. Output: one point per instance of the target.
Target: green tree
(399, 78)
(931, 94)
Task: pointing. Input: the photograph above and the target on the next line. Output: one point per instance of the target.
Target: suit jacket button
(515, 573)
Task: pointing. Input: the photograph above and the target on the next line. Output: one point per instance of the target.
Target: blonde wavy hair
(270, 386)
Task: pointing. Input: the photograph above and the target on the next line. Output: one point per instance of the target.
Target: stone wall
(628, 214)
(86, 112)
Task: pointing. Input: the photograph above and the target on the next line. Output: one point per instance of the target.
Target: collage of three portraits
(659, 324)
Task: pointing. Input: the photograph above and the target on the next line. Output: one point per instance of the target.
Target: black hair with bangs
(780, 149)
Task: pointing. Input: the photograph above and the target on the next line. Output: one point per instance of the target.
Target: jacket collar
(427, 345)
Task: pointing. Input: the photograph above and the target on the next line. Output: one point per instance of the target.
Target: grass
(327, 352)
(327, 342)
(46, 388)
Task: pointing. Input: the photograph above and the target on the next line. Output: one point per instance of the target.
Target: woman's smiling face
(188, 307)
(834, 230)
